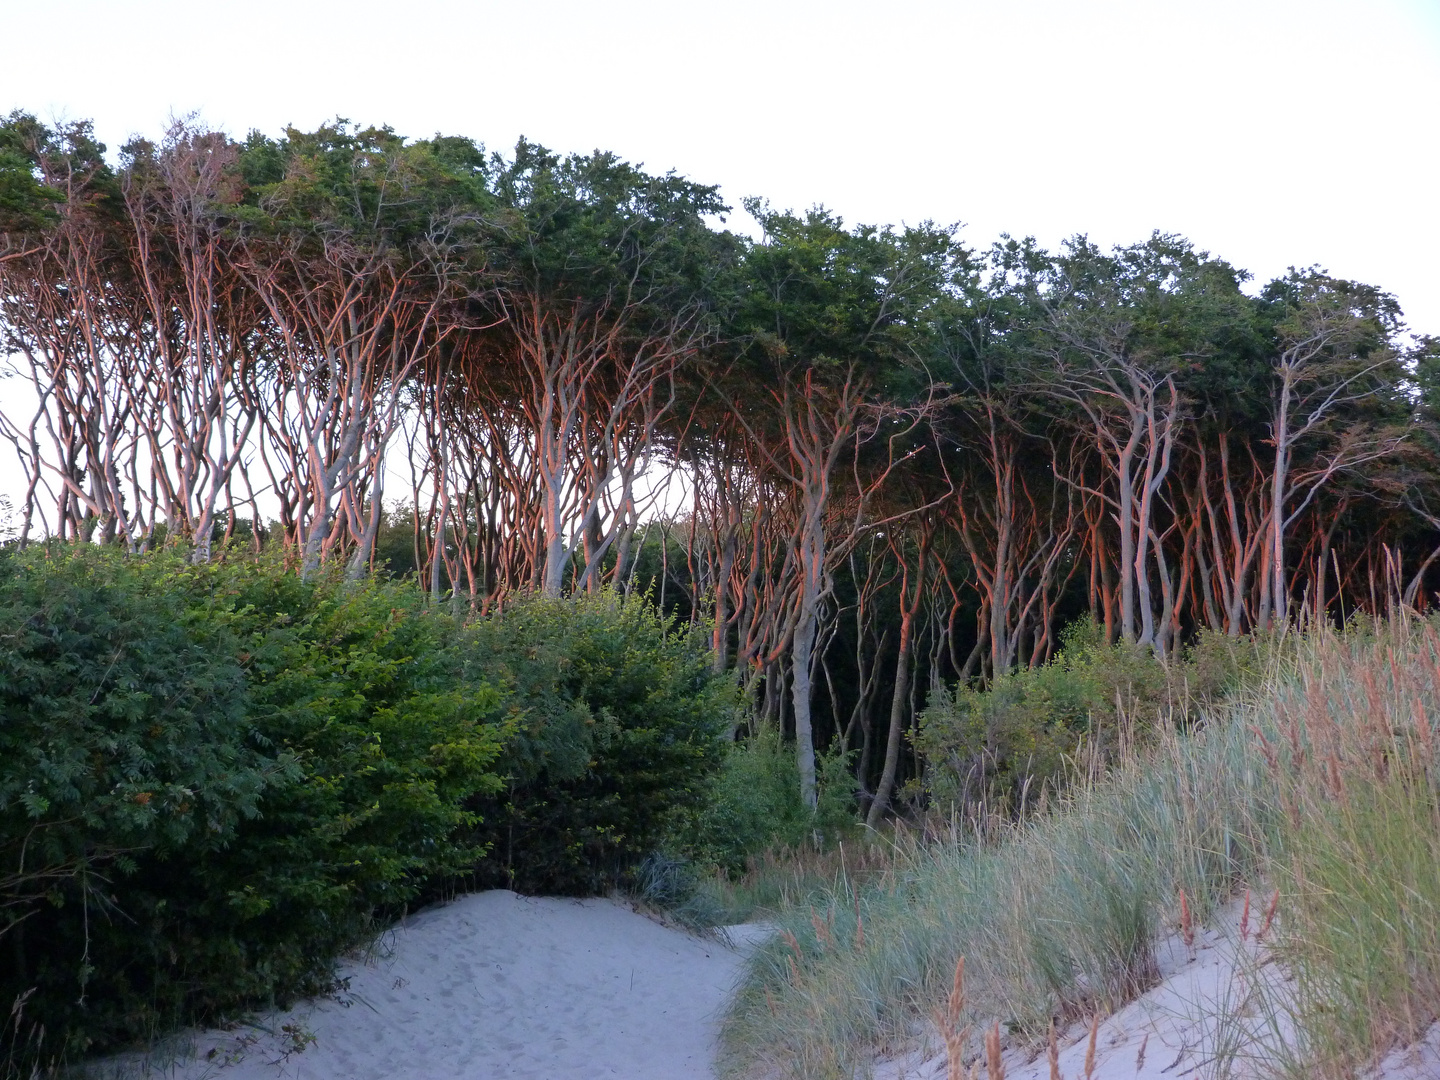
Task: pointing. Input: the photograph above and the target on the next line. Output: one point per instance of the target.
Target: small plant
(1090, 1047)
(994, 1061)
(295, 1039)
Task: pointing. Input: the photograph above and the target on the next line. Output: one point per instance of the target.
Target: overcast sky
(1270, 132)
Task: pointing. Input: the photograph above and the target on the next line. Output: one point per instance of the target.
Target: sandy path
(496, 986)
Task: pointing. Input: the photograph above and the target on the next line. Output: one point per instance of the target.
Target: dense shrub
(755, 805)
(1004, 744)
(214, 779)
(123, 720)
(619, 727)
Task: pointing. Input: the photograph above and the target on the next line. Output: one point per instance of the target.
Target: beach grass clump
(1353, 757)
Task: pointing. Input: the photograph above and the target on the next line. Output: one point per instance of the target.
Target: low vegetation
(1320, 778)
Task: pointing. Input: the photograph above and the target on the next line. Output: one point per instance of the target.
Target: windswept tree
(832, 323)
(1008, 509)
(907, 465)
(356, 247)
(63, 294)
(195, 323)
(1111, 337)
(603, 278)
(1334, 369)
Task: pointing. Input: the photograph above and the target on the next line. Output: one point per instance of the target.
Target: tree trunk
(900, 698)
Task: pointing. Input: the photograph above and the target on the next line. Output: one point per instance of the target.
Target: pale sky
(1271, 132)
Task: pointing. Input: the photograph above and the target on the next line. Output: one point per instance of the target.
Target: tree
(1111, 337)
(1333, 355)
(356, 249)
(831, 321)
(602, 293)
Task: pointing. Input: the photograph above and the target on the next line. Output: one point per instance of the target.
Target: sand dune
(496, 986)
(1202, 1020)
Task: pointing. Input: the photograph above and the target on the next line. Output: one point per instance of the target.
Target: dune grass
(1355, 761)
(1321, 779)
(1056, 917)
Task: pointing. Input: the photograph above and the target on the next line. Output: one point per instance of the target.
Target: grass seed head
(994, 1064)
(1269, 915)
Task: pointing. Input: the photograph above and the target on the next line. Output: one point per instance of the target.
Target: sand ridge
(1200, 1021)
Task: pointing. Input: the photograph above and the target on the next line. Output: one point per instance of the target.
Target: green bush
(123, 721)
(231, 774)
(755, 805)
(619, 728)
(1003, 745)
(214, 780)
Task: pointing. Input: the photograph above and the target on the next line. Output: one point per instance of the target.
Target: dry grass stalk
(1052, 1053)
(1187, 925)
(1245, 918)
(823, 936)
(1269, 915)
(1140, 1057)
(994, 1064)
(957, 992)
(1423, 731)
(949, 1024)
(1090, 1047)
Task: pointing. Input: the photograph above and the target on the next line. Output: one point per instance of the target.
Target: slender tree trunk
(899, 700)
(812, 573)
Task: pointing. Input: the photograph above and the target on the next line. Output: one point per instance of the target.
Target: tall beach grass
(1320, 779)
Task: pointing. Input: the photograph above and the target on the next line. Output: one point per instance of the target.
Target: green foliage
(619, 727)
(25, 204)
(124, 705)
(755, 805)
(838, 302)
(593, 228)
(216, 778)
(1003, 745)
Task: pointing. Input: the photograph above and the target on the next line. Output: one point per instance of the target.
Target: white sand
(496, 986)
